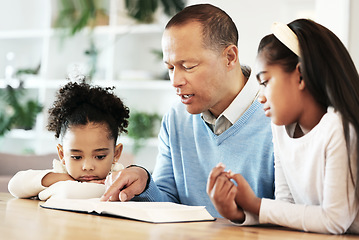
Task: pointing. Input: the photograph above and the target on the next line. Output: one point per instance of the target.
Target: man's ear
(60, 152)
(231, 54)
(118, 152)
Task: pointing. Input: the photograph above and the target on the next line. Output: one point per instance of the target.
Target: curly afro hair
(80, 104)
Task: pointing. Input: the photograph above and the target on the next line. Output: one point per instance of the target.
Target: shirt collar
(239, 105)
(243, 100)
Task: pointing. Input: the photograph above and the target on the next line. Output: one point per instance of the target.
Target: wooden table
(24, 219)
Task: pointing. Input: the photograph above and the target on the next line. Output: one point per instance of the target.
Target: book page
(144, 211)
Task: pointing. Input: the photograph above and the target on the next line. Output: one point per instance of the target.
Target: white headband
(286, 36)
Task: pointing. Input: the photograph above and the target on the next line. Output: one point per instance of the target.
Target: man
(219, 119)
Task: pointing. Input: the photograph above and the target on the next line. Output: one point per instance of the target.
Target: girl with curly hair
(87, 121)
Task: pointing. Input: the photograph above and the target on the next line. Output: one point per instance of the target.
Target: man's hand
(125, 184)
(222, 193)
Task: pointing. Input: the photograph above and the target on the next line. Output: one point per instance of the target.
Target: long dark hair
(328, 71)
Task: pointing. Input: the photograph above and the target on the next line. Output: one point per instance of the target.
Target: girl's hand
(52, 178)
(245, 196)
(222, 193)
(100, 181)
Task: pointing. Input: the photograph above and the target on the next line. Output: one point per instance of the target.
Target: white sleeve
(338, 208)
(26, 184)
(73, 189)
(282, 191)
(250, 219)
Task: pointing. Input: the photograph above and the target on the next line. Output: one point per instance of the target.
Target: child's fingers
(221, 165)
(216, 171)
(100, 181)
(238, 178)
(225, 187)
(232, 192)
(229, 174)
(222, 187)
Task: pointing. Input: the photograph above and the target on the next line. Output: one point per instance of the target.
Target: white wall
(254, 18)
(341, 18)
(353, 41)
(334, 15)
(12, 14)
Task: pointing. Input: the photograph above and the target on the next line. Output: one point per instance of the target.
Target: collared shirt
(235, 110)
(291, 129)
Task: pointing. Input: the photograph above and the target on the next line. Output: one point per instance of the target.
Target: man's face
(197, 73)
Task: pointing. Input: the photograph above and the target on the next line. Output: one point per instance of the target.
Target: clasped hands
(231, 199)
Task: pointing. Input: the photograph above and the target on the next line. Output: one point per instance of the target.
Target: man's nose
(177, 78)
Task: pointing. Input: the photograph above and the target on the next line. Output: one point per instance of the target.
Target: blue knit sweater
(188, 150)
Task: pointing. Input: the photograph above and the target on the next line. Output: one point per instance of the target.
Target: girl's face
(87, 152)
(281, 92)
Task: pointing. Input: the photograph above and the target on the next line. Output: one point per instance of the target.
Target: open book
(154, 212)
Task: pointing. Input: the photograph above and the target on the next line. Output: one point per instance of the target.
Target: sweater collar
(239, 105)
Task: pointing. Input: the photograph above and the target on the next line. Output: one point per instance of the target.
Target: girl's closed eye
(101, 157)
(75, 157)
(262, 78)
(263, 83)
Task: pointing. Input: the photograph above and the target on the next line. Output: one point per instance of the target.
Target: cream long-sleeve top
(27, 184)
(314, 191)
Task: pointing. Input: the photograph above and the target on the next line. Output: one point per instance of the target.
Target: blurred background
(118, 43)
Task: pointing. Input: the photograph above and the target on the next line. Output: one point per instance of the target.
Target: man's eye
(170, 68)
(189, 68)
